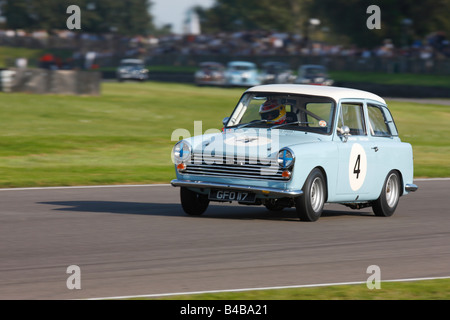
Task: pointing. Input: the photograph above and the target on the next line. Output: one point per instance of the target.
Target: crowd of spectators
(106, 48)
(279, 44)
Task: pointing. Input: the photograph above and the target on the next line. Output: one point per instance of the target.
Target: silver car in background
(313, 74)
(210, 73)
(276, 72)
(132, 69)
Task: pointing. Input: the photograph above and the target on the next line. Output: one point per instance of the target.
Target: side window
(378, 124)
(352, 116)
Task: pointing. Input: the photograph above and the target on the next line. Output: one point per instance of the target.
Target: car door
(384, 143)
(356, 158)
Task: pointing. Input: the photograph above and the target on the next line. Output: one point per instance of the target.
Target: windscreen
(284, 111)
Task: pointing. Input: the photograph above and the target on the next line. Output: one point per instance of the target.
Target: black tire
(193, 204)
(309, 206)
(386, 204)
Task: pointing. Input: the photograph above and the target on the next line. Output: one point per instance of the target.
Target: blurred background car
(313, 74)
(210, 73)
(242, 73)
(276, 72)
(132, 69)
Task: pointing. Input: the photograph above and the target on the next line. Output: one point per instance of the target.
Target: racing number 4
(357, 167)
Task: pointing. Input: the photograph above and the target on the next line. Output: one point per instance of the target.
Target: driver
(273, 111)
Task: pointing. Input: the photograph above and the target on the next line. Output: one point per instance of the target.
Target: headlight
(286, 158)
(182, 151)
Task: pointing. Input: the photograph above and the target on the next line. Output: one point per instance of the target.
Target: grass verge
(428, 80)
(415, 290)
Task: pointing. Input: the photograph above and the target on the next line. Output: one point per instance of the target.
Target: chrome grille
(234, 167)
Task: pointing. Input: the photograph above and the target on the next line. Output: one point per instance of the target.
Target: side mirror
(345, 132)
(225, 121)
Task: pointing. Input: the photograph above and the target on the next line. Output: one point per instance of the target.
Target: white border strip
(142, 185)
(264, 288)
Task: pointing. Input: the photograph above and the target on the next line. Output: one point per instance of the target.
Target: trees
(128, 17)
(238, 15)
(401, 20)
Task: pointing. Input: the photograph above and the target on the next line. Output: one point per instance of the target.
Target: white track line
(265, 288)
(143, 185)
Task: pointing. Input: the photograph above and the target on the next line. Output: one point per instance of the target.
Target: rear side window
(378, 122)
(390, 121)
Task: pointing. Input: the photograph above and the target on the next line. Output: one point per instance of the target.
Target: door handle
(375, 148)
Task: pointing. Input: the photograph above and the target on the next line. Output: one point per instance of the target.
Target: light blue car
(242, 74)
(298, 146)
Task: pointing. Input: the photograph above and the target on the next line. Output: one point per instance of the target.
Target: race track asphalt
(136, 240)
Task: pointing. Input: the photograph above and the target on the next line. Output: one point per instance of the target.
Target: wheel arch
(402, 185)
(401, 181)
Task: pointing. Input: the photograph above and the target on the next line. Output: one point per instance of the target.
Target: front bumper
(259, 190)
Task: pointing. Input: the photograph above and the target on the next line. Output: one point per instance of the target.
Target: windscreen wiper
(252, 122)
(288, 124)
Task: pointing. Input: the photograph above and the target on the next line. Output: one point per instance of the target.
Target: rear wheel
(309, 206)
(386, 204)
(193, 204)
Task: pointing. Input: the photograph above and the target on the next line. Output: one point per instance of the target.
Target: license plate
(230, 195)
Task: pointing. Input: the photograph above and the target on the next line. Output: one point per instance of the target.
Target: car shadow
(220, 211)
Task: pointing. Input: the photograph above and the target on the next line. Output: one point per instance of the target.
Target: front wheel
(386, 204)
(193, 204)
(309, 206)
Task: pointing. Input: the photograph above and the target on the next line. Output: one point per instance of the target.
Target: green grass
(8, 55)
(414, 290)
(426, 127)
(393, 78)
(13, 53)
(124, 135)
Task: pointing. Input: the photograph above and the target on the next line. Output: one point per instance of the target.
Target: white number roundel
(357, 167)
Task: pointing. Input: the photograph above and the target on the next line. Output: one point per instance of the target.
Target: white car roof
(337, 93)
